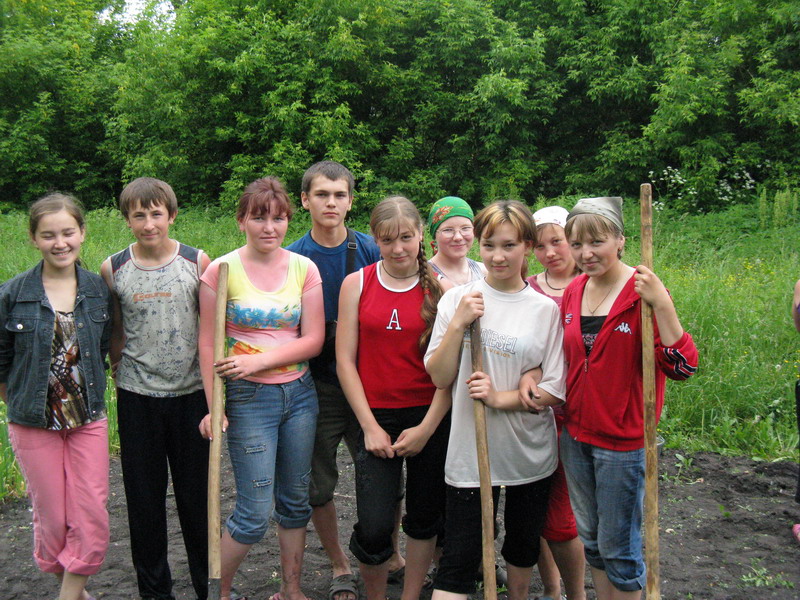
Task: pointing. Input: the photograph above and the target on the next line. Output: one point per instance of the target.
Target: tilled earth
(725, 533)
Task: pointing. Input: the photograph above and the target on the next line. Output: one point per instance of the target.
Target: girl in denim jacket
(53, 341)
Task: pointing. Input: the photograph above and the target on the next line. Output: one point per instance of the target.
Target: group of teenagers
(342, 336)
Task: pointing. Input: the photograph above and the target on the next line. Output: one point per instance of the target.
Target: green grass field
(731, 278)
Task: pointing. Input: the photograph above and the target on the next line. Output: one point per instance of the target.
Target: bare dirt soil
(725, 533)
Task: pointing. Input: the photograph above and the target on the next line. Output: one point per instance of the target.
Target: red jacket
(605, 404)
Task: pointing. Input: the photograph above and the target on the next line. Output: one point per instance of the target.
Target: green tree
(55, 95)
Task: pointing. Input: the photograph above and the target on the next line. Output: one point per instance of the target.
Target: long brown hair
(390, 212)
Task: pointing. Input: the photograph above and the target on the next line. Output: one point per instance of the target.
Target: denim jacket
(27, 323)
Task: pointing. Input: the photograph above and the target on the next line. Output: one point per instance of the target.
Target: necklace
(613, 285)
(385, 270)
(547, 281)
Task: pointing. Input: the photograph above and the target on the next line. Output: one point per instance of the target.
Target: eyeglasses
(449, 232)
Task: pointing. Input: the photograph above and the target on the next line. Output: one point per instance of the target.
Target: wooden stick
(482, 444)
(653, 591)
(215, 446)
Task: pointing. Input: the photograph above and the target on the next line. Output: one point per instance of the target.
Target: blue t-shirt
(332, 263)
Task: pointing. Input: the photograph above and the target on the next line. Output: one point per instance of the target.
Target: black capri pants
(524, 515)
(379, 484)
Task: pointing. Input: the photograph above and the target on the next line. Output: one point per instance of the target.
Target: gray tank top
(160, 318)
(475, 271)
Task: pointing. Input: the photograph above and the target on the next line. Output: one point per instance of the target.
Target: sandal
(396, 577)
(500, 576)
(429, 577)
(343, 584)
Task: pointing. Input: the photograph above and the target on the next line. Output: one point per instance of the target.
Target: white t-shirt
(520, 331)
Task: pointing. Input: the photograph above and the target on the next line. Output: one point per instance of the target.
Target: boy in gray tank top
(160, 399)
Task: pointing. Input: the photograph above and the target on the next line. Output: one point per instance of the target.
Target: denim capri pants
(606, 489)
(270, 441)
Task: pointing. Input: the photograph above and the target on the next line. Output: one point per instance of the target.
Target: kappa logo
(624, 328)
(567, 318)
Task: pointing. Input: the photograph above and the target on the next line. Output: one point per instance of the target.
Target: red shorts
(559, 525)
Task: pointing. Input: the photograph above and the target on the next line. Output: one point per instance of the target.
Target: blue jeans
(270, 440)
(606, 489)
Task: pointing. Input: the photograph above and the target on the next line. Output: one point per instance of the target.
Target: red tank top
(389, 359)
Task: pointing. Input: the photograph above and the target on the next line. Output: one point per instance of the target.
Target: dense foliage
(731, 278)
(481, 98)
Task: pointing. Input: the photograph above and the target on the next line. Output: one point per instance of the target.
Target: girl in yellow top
(275, 323)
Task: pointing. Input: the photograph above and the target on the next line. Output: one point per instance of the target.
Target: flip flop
(429, 577)
(343, 584)
(500, 576)
(796, 531)
(396, 577)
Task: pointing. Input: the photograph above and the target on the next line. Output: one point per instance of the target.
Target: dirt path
(725, 534)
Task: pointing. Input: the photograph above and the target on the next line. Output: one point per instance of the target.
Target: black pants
(525, 510)
(159, 436)
(379, 484)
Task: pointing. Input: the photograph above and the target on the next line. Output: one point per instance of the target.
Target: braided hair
(399, 208)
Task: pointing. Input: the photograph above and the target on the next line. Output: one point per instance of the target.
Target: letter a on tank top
(394, 321)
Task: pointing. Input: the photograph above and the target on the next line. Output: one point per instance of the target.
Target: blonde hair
(514, 213)
(389, 214)
(592, 227)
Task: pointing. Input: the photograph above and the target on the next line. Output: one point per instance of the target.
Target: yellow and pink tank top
(259, 321)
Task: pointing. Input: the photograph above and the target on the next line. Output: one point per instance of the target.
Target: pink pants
(67, 476)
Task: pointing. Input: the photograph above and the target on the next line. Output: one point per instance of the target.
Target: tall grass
(731, 280)
(733, 284)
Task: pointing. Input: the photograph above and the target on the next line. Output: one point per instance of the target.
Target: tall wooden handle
(215, 447)
(482, 444)
(649, 392)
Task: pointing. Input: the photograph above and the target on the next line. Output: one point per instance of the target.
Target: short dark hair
(264, 196)
(330, 169)
(148, 191)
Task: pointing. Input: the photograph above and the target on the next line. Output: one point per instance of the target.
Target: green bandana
(445, 208)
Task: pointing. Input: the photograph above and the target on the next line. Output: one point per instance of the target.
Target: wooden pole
(653, 591)
(215, 446)
(482, 444)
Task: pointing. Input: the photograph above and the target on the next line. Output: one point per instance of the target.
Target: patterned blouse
(66, 393)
